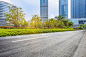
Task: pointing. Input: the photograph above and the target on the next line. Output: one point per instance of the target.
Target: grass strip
(13, 32)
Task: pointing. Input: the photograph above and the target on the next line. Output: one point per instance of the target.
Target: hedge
(13, 32)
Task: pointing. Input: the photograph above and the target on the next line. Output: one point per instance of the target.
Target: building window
(81, 22)
(43, 1)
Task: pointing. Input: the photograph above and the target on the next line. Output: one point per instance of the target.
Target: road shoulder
(81, 51)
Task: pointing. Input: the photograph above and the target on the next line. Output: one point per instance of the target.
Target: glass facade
(44, 10)
(72, 9)
(3, 9)
(78, 9)
(82, 22)
(63, 8)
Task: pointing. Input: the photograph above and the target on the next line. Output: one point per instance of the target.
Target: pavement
(57, 44)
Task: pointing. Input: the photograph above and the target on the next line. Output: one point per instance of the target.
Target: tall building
(78, 9)
(44, 10)
(72, 8)
(3, 9)
(63, 8)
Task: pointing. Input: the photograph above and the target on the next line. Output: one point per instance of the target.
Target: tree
(15, 16)
(60, 23)
(25, 24)
(63, 22)
(49, 23)
(66, 22)
(59, 17)
(70, 24)
(46, 24)
(35, 21)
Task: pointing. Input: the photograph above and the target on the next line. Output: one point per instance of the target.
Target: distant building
(78, 11)
(78, 8)
(44, 10)
(78, 21)
(63, 8)
(3, 9)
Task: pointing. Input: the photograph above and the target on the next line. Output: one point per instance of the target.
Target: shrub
(12, 32)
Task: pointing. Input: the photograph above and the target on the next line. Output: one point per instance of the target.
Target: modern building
(63, 8)
(72, 8)
(3, 9)
(78, 9)
(44, 10)
(78, 21)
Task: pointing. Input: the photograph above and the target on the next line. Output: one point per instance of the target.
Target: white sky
(32, 7)
(69, 9)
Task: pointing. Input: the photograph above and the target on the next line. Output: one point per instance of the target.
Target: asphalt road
(58, 44)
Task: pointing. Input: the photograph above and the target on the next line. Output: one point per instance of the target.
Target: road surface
(58, 44)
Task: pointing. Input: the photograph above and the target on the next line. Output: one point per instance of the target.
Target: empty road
(58, 44)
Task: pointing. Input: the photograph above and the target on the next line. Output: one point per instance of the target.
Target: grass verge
(13, 32)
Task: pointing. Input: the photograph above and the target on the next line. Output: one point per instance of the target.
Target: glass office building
(44, 10)
(72, 8)
(63, 8)
(78, 9)
(3, 9)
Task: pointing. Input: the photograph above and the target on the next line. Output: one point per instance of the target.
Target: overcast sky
(32, 7)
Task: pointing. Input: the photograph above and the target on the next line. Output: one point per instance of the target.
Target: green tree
(63, 22)
(35, 21)
(46, 24)
(59, 17)
(15, 16)
(60, 23)
(25, 24)
(70, 24)
(66, 22)
(51, 23)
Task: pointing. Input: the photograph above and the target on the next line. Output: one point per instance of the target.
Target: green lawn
(12, 32)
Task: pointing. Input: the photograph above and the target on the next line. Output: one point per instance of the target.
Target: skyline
(32, 7)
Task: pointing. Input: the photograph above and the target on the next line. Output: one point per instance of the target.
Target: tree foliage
(59, 17)
(82, 26)
(35, 21)
(15, 16)
(58, 21)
